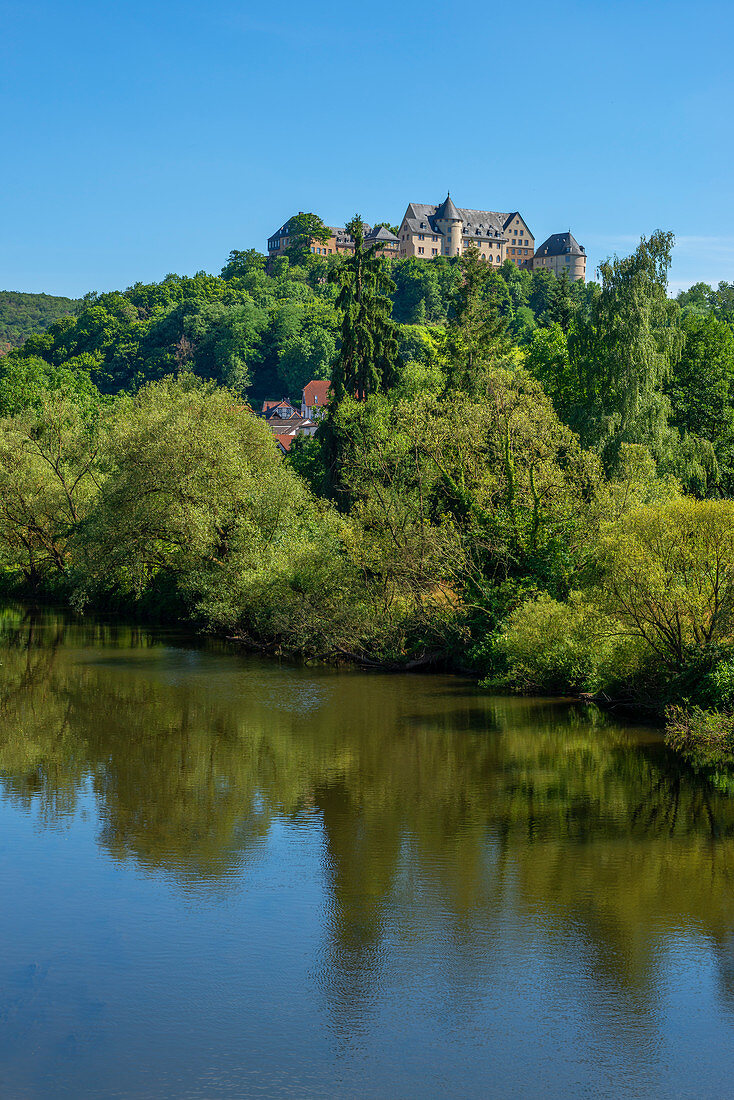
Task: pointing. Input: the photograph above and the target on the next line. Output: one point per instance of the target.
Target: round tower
(450, 224)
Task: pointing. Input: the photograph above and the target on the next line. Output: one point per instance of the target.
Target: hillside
(22, 315)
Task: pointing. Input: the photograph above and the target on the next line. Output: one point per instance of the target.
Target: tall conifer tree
(368, 358)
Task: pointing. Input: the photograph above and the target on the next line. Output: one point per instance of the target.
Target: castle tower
(449, 223)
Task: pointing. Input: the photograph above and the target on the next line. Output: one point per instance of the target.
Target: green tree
(548, 361)
(368, 358)
(541, 294)
(476, 330)
(51, 468)
(519, 486)
(26, 382)
(722, 301)
(669, 580)
(412, 554)
(624, 353)
(239, 264)
(417, 297)
(23, 315)
(303, 229)
(561, 306)
(701, 389)
(699, 299)
(198, 516)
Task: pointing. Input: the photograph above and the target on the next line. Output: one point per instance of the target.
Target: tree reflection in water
(441, 811)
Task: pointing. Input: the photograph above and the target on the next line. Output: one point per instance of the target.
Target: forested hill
(22, 315)
(267, 332)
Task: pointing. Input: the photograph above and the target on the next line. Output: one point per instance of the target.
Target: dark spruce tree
(368, 358)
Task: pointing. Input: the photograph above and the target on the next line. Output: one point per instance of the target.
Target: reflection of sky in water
(226, 877)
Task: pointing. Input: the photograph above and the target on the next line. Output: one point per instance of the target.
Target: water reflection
(449, 823)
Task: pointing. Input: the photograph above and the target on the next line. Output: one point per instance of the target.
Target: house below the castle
(285, 422)
(315, 398)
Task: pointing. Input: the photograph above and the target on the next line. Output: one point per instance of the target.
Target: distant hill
(23, 314)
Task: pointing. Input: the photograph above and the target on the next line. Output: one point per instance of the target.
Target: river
(229, 877)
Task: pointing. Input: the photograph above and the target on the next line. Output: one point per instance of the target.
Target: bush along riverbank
(653, 630)
(549, 514)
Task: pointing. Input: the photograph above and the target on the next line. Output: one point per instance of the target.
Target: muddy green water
(223, 877)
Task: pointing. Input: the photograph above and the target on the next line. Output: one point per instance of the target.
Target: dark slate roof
(447, 211)
(422, 217)
(344, 238)
(337, 231)
(285, 229)
(380, 234)
(561, 244)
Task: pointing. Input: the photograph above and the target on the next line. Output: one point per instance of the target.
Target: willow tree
(623, 353)
(368, 359)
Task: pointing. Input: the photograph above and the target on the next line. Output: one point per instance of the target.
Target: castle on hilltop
(446, 230)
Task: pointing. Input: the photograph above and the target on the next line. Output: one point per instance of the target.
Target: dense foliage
(518, 476)
(266, 332)
(22, 315)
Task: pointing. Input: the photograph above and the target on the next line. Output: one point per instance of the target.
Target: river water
(225, 877)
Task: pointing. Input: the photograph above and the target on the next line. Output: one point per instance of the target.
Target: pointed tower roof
(447, 211)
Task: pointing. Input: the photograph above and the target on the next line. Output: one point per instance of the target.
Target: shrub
(551, 646)
(705, 737)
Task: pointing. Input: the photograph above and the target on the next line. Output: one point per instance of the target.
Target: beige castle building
(447, 230)
(339, 241)
(562, 252)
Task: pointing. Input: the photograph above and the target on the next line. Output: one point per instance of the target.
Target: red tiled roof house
(315, 398)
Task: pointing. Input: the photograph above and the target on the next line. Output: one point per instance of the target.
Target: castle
(446, 230)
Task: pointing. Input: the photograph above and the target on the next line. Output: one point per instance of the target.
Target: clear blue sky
(142, 138)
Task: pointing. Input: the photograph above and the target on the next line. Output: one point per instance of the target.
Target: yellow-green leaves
(669, 577)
